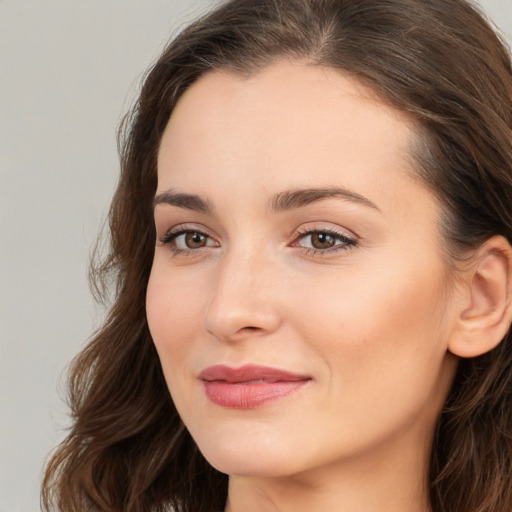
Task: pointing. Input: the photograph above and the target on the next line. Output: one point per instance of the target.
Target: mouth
(249, 386)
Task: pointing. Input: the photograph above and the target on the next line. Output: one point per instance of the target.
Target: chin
(261, 465)
(262, 455)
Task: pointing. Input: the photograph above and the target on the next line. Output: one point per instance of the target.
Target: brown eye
(322, 240)
(188, 240)
(195, 240)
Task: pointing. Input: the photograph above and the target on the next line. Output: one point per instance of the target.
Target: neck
(390, 481)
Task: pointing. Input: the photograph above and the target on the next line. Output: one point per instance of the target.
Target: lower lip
(248, 395)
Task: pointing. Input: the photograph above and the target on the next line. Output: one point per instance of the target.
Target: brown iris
(322, 240)
(195, 240)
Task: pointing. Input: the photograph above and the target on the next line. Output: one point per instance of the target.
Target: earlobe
(486, 315)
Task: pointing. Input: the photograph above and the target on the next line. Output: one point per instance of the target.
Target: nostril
(250, 329)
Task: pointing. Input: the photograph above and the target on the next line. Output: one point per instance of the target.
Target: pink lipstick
(249, 386)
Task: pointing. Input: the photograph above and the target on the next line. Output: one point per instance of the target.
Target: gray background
(68, 70)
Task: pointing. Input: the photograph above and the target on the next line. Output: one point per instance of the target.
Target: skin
(368, 321)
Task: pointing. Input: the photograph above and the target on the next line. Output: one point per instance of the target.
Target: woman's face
(298, 299)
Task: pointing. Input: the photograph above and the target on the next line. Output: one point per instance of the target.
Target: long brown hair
(438, 60)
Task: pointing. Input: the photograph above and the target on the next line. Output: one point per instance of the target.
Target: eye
(323, 241)
(191, 240)
(186, 240)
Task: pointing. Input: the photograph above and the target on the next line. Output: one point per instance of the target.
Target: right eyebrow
(299, 198)
(186, 201)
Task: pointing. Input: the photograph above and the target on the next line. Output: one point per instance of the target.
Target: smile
(249, 386)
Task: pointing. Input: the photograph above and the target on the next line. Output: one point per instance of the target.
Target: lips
(249, 386)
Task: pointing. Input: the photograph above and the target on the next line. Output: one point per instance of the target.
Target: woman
(310, 243)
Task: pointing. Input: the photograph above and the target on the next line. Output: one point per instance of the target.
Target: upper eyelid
(326, 227)
(303, 230)
(322, 229)
(185, 227)
(334, 233)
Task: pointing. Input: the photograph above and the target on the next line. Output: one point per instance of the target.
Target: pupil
(194, 240)
(322, 240)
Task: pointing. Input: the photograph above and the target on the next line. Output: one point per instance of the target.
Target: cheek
(395, 300)
(174, 319)
(174, 316)
(381, 333)
(386, 365)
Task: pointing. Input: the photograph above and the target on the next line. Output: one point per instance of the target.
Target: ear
(486, 308)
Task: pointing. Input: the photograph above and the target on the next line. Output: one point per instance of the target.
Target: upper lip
(249, 373)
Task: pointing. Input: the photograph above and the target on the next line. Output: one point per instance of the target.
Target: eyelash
(177, 231)
(344, 242)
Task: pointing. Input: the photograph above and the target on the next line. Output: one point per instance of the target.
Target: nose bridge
(242, 299)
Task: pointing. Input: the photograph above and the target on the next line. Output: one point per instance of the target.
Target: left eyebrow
(187, 201)
(292, 199)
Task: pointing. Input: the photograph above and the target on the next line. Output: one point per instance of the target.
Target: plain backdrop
(69, 69)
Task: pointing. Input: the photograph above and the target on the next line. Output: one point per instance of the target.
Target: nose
(244, 301)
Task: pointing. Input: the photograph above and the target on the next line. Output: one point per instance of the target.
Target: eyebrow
(282, 201)
(299, 198)
(187, 201)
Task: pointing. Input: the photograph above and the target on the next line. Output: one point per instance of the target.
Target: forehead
(289, 125)
(287, 92)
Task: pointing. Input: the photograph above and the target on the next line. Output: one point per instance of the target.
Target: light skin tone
(292, 233)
